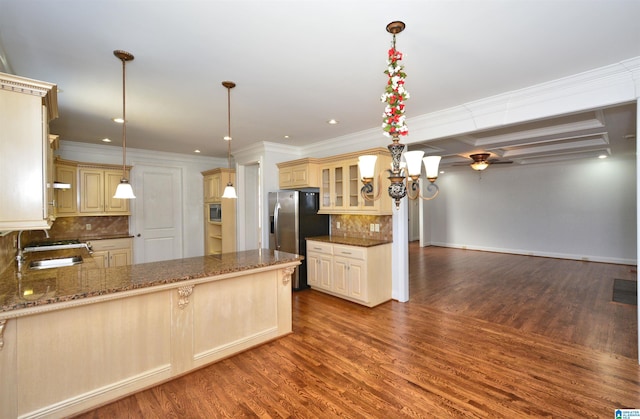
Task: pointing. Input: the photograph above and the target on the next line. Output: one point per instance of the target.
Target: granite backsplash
(360, 226)
(83, 228)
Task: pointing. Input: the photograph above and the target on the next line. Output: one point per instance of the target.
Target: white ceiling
(299, 63)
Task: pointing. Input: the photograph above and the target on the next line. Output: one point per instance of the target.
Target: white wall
(576, 209)
(192, 190)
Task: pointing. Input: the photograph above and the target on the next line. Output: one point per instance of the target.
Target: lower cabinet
(358, 274)
(112, 252)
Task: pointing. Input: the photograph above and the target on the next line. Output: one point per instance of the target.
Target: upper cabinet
(340, 185)
(97, 185)
(215, 181)
(27, 196)
(302, 173)
(92, 188)
(66, 199)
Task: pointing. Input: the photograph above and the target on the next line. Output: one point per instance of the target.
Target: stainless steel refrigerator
(293, 216)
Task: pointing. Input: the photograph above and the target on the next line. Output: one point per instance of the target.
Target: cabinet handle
(346, 253)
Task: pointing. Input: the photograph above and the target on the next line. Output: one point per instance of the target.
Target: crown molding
(606, 86)
(113, 154)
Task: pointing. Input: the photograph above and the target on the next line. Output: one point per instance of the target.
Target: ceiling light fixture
(229, 190)
(404, 178)
(480, 161)
(124, 190)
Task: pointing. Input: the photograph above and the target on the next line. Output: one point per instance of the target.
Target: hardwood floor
(484, 335)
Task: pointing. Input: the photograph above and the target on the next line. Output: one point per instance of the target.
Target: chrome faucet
(20, 253)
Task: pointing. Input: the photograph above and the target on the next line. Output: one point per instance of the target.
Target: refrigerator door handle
(276, 232)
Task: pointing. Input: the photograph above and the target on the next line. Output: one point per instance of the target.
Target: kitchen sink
(55, 262)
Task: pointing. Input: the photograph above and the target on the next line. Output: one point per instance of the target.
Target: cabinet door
(285, 177)
(111, 181)
(300, 175)
(358, 280)
(67, 199)
(91, 190)
(338, 184)
(101, 258)
(313, 269)
(341, 275)
(352, 184)
(120, 257)
(325, 271)
(212, 188)
(325, 188)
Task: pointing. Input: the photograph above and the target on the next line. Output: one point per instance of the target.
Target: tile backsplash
(360, 226)
(89, 227)
(63, 228)
(7, 251)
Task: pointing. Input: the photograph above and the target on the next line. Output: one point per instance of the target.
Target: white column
(400, 253)
(637, 205)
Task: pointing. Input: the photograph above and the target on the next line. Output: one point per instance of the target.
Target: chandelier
(404, 176)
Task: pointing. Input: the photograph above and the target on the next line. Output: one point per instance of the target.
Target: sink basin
(55, 263)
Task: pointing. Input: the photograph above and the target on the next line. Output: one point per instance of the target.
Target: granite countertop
(350, 241)
(24, 288)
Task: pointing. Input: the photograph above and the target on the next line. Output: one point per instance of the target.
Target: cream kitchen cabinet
(98, 184)
(319, 262)
(27, 197)
(302, 173)
(112, 252)
(215, 180)
(340, 185)
(66, 199)
(355, 273)
(219, 235)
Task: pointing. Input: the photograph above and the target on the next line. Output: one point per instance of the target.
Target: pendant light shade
(124, 189)
(229, 190)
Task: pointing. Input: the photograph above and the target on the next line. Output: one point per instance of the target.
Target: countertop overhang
(86, 281)
(350, 241)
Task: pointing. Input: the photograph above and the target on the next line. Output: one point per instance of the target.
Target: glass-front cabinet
(341, 183)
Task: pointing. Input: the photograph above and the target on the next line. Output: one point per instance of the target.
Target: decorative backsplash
(89, 227)
(65, 228)
(7, 251)
(360, 226)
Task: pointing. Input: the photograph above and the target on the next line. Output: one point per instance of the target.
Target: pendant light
(229, 190)
(124, 190)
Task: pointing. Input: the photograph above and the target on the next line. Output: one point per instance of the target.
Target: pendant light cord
(229, 130)
(124, 121)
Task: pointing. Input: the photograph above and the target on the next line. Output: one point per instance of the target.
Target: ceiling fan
(481, 161)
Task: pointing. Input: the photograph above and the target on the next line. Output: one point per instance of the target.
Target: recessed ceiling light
(332, 122)
(118, 120)
(286, 137)
(196, 151)
(106, 140)
(602, 156)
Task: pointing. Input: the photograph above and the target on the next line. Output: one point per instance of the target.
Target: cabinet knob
(138, 235)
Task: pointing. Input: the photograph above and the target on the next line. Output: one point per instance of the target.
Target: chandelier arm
(412, 186)
(430, 186)
(368, 188)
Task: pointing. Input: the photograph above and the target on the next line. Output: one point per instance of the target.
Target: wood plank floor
(484, 335)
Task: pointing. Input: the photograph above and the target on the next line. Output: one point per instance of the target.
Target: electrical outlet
(87, 227)
(377, 228)
(337, 224)
(372, 227)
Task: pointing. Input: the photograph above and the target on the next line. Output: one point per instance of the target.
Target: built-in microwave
(215, 212)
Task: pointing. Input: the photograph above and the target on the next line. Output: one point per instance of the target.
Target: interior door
(158, 213)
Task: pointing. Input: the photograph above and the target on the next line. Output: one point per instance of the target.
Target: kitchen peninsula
(79, 336)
